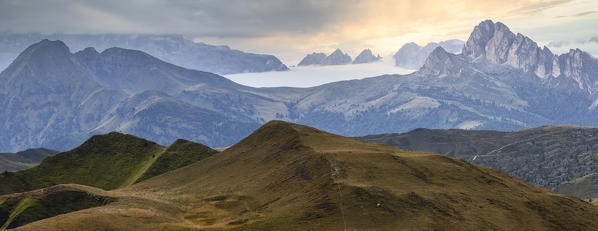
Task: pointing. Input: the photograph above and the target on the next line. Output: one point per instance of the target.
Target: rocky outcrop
(413, 56)
(441, 63)
(366, 56)
(312, 59)
(495, 43)
(336, 58)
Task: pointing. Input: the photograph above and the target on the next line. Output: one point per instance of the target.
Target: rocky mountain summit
(61, 98)
(312, 59)
(366, 56)
(495, 43)
(413, 56)
(335, 58)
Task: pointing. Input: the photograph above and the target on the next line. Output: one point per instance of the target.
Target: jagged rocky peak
(442, 63)
(366, 56)
(413, 56)
(336, 58)
(312, 59)
(494, 42)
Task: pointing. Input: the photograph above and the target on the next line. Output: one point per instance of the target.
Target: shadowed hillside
(547, 156)
(291, 177)
(106, 161)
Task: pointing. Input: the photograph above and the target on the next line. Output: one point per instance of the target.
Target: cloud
(594, 40)
(283, 26)
(540, 6)
(579, 15)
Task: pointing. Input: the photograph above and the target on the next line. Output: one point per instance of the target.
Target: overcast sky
(292, 28)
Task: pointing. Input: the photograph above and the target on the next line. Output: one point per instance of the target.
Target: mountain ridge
(549, 156)
(172, 48)
(311, 179)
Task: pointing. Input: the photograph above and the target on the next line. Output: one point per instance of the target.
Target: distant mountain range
(283, 176)
(171, 48)
(413, 56)
(24, 159)
(338, 58)
(60, 98)
(560, 158)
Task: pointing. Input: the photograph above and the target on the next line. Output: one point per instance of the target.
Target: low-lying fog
(309, 76)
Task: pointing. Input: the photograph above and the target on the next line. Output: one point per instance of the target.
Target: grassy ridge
(549, 156)
(179, 154)
(105, 161)
(24, 210)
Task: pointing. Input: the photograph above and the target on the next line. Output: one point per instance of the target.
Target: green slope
(20, 210)
(105, 161)
(292, 177)
(179, 154)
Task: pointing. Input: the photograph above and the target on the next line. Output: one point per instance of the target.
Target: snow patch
(470, 124)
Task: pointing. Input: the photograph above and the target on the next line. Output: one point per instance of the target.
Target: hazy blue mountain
(312, 59)
(366, 56)
(60, 98)
(171, 48)
(45, 95)
(466, 91)
(413, 56)
(160, 117)
(335, 58)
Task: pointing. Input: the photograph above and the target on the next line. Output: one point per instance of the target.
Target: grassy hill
(24, 159)
(105, 161)
(549, 156)
(20, 209)
(292, 177)
(179, 154)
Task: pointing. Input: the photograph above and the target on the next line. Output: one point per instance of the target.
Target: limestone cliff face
(495, 43)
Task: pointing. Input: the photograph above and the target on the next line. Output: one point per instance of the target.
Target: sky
(290, 29)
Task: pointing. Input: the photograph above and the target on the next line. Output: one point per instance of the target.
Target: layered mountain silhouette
(59, 98)
(560, 158)
(292, 177)
(413, 56)
(86, 93)
(171, 48)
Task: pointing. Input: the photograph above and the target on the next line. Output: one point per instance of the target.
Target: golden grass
(291, 177)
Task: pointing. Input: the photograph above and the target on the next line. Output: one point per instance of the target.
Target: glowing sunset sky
(292, 28)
